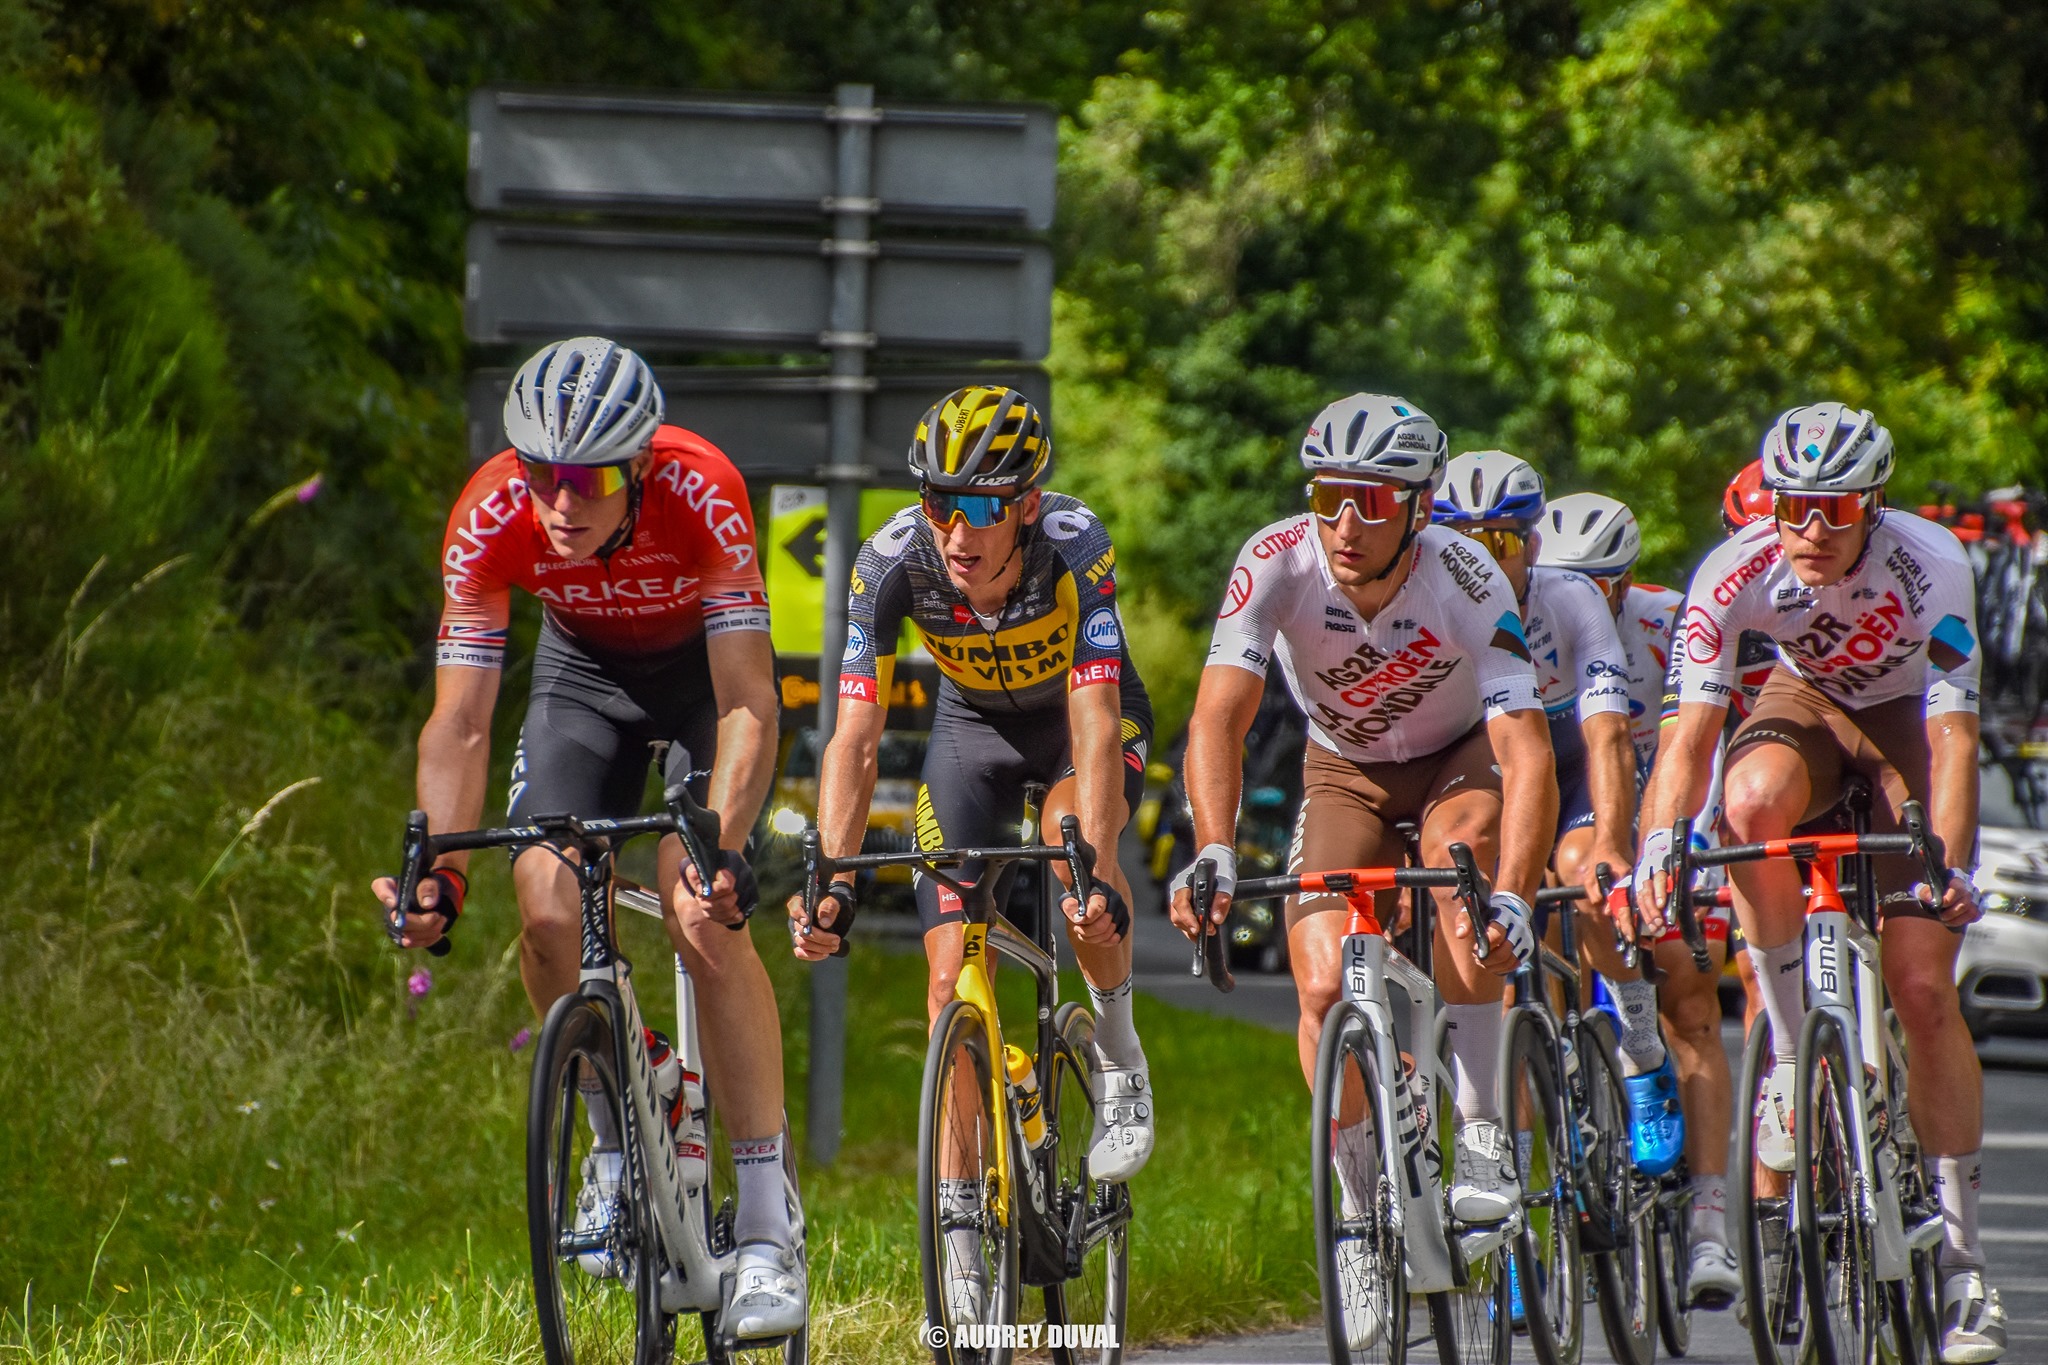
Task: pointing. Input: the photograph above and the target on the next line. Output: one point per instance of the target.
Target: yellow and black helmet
(981, 437)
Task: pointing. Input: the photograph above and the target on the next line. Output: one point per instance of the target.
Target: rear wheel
(1773, 1295)
(1671, 1248)
(1470, 1323)
(1546, 1250)
(1358, 1252)
(1620, 1207)
(1829, 1179)
(1087, 1311)
(966, 1220)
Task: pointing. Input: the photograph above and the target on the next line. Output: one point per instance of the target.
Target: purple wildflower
(310, 489)
(520, 1039)
(420, 982)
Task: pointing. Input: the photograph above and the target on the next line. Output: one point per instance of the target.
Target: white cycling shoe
(1713, 1281)
(769, 1296)
(595, 1204)
(1123, 1122)
(1774, 1143)
(1972, 1320)
(1486, 1188)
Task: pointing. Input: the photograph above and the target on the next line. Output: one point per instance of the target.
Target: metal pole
(848, 342)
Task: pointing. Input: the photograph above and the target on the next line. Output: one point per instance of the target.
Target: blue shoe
(1656, 1127)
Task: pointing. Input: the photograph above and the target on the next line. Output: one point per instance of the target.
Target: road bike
(1383, 1223)
(1842, 1270)
(1004, 1194)
(666, 1243)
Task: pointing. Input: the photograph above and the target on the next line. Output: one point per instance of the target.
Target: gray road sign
(734, 155)
(720, 291)
(774, 422)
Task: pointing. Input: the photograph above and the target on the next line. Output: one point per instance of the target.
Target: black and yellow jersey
(1059, 628)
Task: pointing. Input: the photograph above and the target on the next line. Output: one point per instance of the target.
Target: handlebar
(1683, 862)
(1462, 876)
(819, 865)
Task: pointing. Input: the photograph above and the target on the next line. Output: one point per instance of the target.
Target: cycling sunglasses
(1837, 511)
(1373, 503)
(979, 510)
(586, 481)
(1501, 541)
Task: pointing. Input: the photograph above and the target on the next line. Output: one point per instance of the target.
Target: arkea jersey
(1058, 629)
(1446, 652)
(1573, 645)
(1902, 623)
(1649, 615)
(688, 569)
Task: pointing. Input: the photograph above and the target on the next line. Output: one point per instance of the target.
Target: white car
(2003, 967)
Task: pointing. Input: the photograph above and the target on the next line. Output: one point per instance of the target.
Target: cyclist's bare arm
(1528, 791)
(1952, 738)
(743, 683)
(1611, 775)
(1095, 723)
(454, 768)
(1225, 705)
(1678, 784)
(846, 784)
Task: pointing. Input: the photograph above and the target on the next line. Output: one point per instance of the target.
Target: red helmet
(1746, 499)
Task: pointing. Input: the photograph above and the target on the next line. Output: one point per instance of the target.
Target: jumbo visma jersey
(1058, 630)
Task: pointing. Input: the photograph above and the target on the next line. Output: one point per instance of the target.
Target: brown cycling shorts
(1886, 743)
(1349, 810)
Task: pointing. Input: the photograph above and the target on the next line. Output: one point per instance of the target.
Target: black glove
(743, 884)
(842, 915)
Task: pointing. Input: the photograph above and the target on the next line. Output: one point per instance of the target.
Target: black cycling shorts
(975, 768)
(1574, 789)
(590, 725)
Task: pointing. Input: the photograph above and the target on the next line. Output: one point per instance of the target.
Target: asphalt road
(2014, 1208)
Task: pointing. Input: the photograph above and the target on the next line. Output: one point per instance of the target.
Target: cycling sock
(763, 1213)
(604, 1123)
(959, 1198)
(1357, 1158)
(1642, 1047)
(1709, 1209)
(1956, 1181)
(1475, 1060)
(1783, 984)
(1116, 1034)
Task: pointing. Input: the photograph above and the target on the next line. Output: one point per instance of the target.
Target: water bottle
(686, 1121)
(668, 1072)
(1024, 1090)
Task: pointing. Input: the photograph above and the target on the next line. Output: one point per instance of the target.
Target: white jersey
(1573, 644)
(1902, 623)
(1446, 652)
(1649, 616)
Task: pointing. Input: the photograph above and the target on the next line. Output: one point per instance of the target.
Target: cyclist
(1873, 613)
(638, 538)
(1013, 589)
(1598, 536)
(1401, 643)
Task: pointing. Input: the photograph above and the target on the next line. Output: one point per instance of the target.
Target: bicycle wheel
(1358, 1252)
(1921, 1289)
(597, 1296)
(1617, 1203)
(1470, 1323)
(966, 1219)
(1084, 1315)
(1828, 1177)
(1546, 1251)
(1671, 1247)
(1773, 1300)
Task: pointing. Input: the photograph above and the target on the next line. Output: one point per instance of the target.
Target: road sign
(792, 539)
(722, 291)
(774, 422)
(738, 156)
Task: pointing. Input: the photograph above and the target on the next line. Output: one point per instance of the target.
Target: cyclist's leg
(1689, 1002)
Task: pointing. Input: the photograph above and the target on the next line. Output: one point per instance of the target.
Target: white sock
(1956, 1180)
(763, 1213)
(1475, 1060)
(1357, 1154)
(604, 1124)
(1780, 977)
(1642, 1047)
(1116, 1034)
(1709, 1209)
(963, 1244)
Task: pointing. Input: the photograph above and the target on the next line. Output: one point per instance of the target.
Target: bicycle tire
(1611, 1190)
(957, 1128)
(1917, 1201)
(1546, 1249)
(1100, 1294)
(584, 1317)
(1364, 1293)
(1834, 1244)
(1671, 1245)
(1773, 1293)
(1470, 1323)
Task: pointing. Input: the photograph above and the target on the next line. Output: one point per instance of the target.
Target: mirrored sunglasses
(1837, 511)
(1372, 503)
(1501, 541)
(979, 510)
(586, 481)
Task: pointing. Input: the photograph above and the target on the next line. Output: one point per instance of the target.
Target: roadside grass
(234, 1134)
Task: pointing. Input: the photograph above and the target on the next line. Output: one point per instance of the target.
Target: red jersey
(689, 569)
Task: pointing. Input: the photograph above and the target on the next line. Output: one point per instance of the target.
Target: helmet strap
(623, 536)
(1417, 509)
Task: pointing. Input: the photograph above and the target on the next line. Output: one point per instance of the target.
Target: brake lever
(1478, 913)
(1933, 857)
(699, 829)
(1680, 896)
(1201, 892)
(411, 872)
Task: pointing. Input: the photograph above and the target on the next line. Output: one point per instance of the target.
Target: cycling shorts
(1574, 788)
(1886, 743)
(1349, 810)
(975, 769)
(584, 747)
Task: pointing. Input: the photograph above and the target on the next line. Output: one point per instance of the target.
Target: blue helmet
(1489, 485)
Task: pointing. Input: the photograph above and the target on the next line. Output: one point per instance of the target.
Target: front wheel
(966, 1217)
(1358, 1252)
(1087, 1311)
(1830, 1181)
(596, 1263)
(1548, 1268)
(1620, 1207)
(1773, 1292)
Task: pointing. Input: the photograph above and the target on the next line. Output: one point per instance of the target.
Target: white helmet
(1826, 448)
(1489, 485)
(1376, 436)
(1590, 532)
(582, 401)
